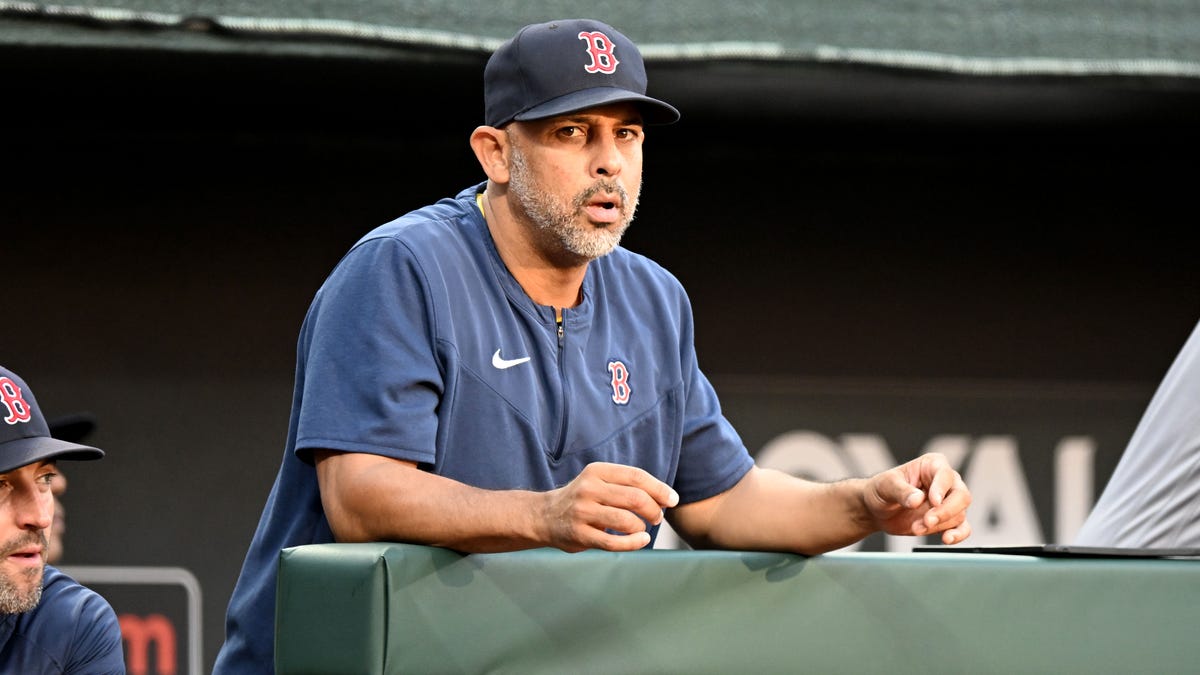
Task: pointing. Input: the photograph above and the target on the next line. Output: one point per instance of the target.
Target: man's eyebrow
(634, 119)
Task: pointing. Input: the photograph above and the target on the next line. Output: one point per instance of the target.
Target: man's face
(577, 178)
(26, 513)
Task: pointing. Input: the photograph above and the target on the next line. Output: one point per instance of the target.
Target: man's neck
(547, 282)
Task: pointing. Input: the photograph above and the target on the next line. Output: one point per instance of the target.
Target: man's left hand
(920, 497)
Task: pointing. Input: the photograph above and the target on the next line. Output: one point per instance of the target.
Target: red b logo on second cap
(13, 401)
(600, 48)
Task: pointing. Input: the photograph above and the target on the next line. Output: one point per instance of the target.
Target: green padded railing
(392, 608)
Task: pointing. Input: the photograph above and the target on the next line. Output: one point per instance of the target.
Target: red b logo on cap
(10, 395)
(600, 48)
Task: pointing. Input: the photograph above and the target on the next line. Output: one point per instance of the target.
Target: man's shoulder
(412, 252)
(440, 222)
(56, 582)
(71, 626)
(65, 602)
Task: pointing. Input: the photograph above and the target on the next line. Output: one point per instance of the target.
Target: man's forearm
(773, 511)
(369, 498)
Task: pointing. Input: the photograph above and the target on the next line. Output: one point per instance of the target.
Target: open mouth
(26, 560)
(26, 552)
(603, 212)
(604, 208)
(605, 201)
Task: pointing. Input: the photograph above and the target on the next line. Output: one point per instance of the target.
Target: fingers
(948, 499)
(628, 488)
(607, 506)
(944, 478)
(633, 477)
(893, 487)
(957, 534)
(921, 497)
(606, 528)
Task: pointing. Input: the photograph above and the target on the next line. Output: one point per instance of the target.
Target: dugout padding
(392, 608)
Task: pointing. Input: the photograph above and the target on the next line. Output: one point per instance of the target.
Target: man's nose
(34, 510)
(607, 159)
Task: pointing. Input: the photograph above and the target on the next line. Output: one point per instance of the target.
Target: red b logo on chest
(600, 48)
(620, 382)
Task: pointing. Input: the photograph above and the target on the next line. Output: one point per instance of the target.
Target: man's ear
(491, 149)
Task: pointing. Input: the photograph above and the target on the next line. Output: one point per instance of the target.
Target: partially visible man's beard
(559, 220)
(14, 600)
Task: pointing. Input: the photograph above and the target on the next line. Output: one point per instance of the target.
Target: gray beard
(557, 220)
(13, 600)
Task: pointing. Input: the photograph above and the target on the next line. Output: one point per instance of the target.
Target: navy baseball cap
(24, 434)
(560, 67)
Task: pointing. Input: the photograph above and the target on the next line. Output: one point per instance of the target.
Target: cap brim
(653, 110)
(19, 452)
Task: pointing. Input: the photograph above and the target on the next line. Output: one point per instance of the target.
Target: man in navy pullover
(495, 372)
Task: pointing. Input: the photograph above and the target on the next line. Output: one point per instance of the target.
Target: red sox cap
(24, 434)
(559, 67)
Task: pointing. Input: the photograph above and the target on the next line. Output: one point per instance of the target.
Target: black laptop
(1067, 551)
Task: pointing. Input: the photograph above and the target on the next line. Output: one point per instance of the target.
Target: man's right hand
(602, 500)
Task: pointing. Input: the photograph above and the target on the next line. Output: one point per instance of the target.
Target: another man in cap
(73, 429)
(494, 372)
(48, 622)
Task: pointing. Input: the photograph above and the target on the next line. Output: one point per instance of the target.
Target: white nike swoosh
(506, 363)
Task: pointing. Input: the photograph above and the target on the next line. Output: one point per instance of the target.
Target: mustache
(23, 540)
(602, 186)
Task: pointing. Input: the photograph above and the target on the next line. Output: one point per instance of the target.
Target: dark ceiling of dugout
(987, 142)
(1053, 60)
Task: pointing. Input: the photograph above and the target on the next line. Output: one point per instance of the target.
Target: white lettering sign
(1002, 510)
